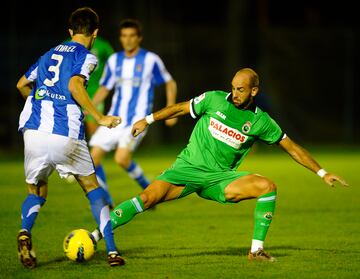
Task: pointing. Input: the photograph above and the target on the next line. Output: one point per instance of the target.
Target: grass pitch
(314, 234)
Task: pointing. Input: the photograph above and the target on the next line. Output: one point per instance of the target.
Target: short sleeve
(271, 132)
(31, 74)
(85, 65)
(160, 73)
(198, 104)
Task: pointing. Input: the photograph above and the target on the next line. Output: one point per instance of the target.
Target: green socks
(125, 211)
(264, 211)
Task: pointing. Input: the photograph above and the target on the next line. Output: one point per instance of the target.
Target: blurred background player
(54, 133)
(132, 73)
(102, 49)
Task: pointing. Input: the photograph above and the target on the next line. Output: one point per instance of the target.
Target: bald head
(245, 86)
(250, 74)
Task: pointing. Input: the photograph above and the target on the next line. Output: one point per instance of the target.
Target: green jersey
(224, 133)
(102, 50)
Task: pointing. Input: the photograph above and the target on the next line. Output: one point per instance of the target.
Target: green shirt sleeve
(271, 132)
(199, 104)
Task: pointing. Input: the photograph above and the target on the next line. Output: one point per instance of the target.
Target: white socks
(256, 245)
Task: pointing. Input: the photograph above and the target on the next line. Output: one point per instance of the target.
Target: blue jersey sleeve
(31, 74)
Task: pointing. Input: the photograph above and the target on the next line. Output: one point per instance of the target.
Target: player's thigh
(71, 156)
(128, 141)
(37, 162)
(123, 156)
(248, 187)
(105, 138)
(160, 191)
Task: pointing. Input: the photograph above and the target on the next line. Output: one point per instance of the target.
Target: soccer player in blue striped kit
(53, 129)
(132, 73)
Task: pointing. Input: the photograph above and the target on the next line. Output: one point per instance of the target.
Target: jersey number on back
(55, 69)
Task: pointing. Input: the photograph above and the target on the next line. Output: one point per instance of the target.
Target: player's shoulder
(114, 55)
(216, 94)
(149, 54)
(263, 116)
(260, 112)
(211, 97)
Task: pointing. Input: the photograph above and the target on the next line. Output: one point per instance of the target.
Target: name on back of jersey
(226, 134)
(65, 48)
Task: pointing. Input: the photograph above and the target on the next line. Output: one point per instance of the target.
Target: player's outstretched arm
(171, 92)
(169, 112)
(303, 157)
(78, 91)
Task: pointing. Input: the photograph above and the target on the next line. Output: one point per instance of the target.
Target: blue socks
(101, 178)
(100, 210)
(29, 210)
(136, 173)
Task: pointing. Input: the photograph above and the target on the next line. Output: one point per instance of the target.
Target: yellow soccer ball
(79, 245)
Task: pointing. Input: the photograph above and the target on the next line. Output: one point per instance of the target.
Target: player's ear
(71, 32)
(95, 33)
(254, 91)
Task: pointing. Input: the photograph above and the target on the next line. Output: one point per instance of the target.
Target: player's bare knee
(121, 161)
(266, 186)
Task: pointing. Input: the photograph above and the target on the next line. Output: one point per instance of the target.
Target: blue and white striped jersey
(50, 106)
(133, 80)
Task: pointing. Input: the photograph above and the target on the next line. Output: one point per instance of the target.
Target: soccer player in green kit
(227, 127)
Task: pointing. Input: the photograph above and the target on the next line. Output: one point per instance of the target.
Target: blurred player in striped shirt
(132, 73)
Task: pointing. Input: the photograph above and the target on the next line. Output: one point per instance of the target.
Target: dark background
(306, 53)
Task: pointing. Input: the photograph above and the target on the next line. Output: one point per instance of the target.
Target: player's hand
(139, 127)
(109, 121)
(171, 122)
(330, 179)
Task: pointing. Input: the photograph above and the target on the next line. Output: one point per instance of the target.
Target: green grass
(315, 232)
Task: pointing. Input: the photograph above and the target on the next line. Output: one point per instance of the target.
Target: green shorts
(209, 185)
(100, 108)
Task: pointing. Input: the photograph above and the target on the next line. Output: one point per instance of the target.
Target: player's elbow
(22, 83)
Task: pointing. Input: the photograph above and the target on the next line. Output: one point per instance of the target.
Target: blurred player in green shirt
(102, 50)
(228, 125)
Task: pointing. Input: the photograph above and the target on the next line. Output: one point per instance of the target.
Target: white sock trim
(104, 218)
(96, 235)
(137, 205)
(256, 245)
(271, 198)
